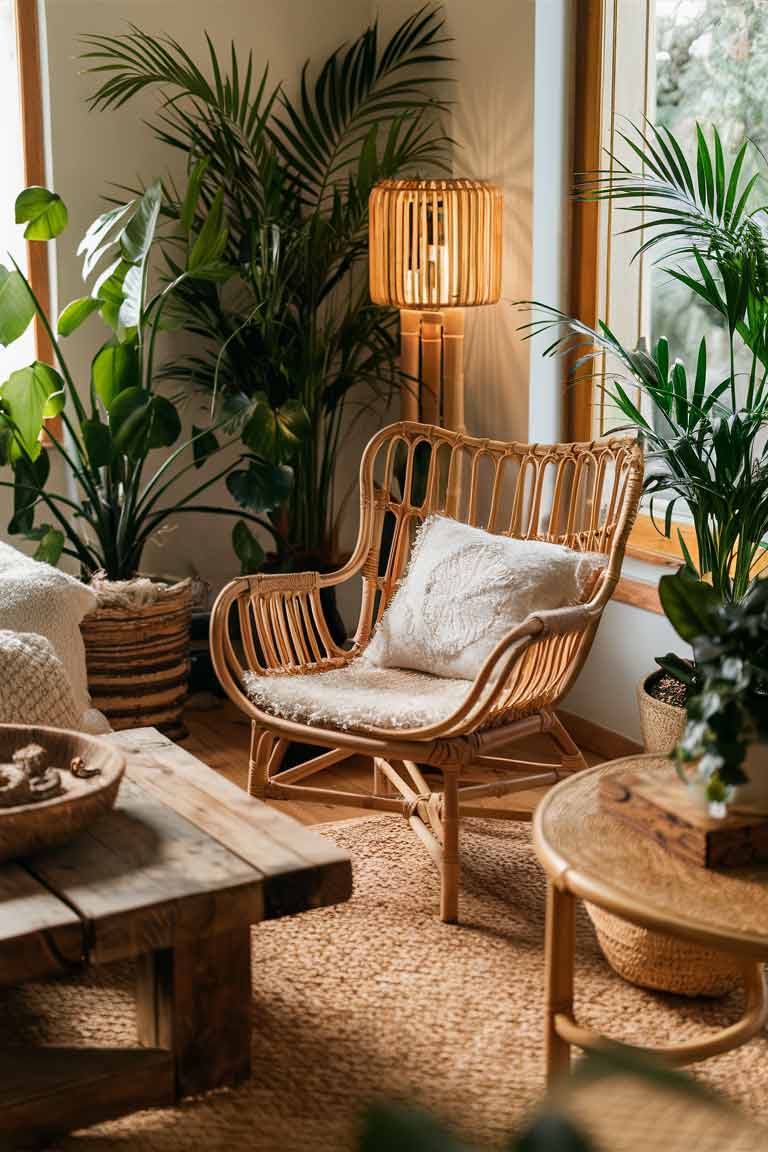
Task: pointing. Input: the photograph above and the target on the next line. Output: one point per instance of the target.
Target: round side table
(588, 854)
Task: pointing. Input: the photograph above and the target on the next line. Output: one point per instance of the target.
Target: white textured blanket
(37, 598)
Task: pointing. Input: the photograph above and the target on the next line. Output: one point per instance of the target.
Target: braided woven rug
(378, 998)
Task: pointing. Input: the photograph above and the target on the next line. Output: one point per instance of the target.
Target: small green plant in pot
(87, 479)
(726, 736)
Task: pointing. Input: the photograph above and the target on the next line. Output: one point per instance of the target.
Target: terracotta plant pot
(651, 959)
(138, 661)
(661, 724)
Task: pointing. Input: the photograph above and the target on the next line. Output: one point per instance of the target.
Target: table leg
(560, 948)
(195, 1001)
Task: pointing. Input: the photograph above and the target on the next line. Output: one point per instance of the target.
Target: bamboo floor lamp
(434, 250)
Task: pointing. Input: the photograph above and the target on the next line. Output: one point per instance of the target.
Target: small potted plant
(724, 748)
(118, 445)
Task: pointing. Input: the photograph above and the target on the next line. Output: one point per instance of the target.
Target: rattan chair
(581, 495)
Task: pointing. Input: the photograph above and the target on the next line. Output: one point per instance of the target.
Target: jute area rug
(377, 998)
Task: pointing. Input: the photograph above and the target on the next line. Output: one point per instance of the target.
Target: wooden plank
(667, 814)
(39, 934)
(196, 1001)
(301, 869)
(647, 543)
(46, 1092)
(144, 878)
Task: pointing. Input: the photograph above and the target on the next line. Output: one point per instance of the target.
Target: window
(676, 62)
(711, 65)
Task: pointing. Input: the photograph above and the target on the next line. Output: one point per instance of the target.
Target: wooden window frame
(645, 542)
(33, 138)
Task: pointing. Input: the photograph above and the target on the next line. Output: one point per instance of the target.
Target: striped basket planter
(138, 661)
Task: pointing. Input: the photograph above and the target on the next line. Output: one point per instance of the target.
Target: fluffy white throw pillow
(35, 597)
(465, 589)
(34, 685)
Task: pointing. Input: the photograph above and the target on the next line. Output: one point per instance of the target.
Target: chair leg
(261, 746)
(571, 759)
(381, 785)
(449, 880)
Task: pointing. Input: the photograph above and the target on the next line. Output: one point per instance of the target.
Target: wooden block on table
(670, 815)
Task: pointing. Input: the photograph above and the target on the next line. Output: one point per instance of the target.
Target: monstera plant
(124, 466)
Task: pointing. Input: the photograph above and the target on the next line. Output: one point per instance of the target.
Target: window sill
(647, 543)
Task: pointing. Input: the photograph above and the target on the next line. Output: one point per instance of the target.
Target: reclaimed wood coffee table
(173, 878)
(589, 854)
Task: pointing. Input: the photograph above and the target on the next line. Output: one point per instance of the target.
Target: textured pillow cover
(466, 588)
(34, 684)
(35, 597)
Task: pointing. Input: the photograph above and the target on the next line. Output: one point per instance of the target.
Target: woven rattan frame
(582, 495)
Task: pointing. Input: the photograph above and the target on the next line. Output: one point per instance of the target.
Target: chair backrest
(582, 495)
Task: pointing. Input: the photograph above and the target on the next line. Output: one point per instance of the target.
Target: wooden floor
(220, 737)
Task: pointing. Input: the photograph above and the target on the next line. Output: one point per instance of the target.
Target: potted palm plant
(294, 329)
(123, 464)
(704, 437)
(724, 748)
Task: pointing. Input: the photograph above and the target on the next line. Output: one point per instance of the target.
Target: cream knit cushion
(358, 696)
(465, 589)
(34, 685)
(35, 597)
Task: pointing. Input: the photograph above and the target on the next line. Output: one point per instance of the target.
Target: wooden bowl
(31, 828)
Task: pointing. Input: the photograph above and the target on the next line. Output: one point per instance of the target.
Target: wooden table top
(184, 854)
(594, 856)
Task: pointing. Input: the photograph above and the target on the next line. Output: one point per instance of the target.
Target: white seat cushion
(466, 589)
(361, 695)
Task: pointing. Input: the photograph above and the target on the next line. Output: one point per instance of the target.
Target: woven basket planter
(661, 724)
(138, 661)
(651, 959)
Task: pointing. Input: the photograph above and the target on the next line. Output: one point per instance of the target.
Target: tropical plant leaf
(50, 545)
(75, 314)
(247, 549)
(32, 395)
(44, 213)
(16, 306)
(114, 368)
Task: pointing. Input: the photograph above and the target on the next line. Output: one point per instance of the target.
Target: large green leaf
(50, 544)
(139, 232)
(689, 604)
(101, 237)
(98, 443)
(276, 433)
(261, 487)
(32, 395)
(29, 478)
(204, 444)
(45, 212)
(115, 368)
(75, 314)
(247, 549)
(16, 306)
(140, 421)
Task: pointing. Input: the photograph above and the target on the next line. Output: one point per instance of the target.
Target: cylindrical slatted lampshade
(435, 243)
